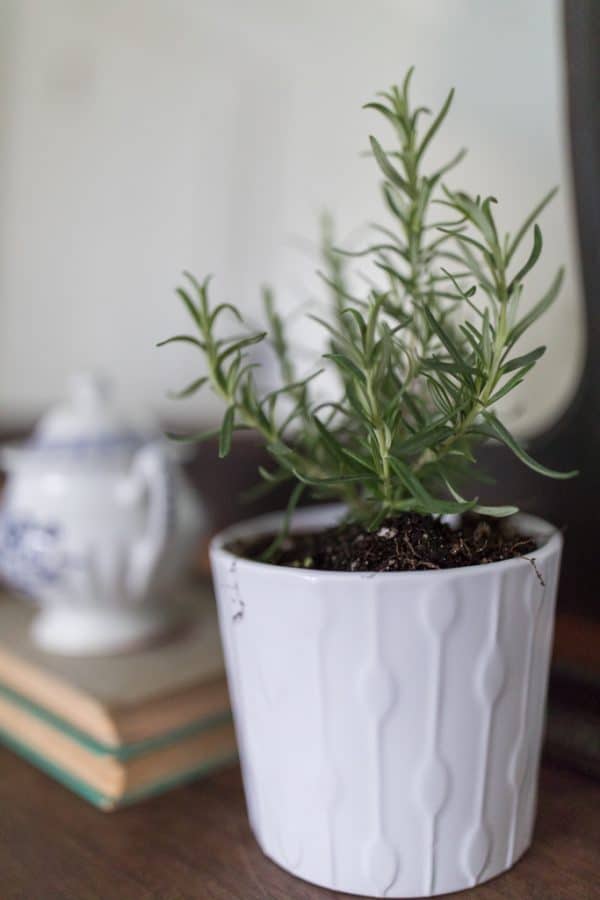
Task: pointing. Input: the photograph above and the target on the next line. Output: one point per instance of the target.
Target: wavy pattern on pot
(518, 763)
(378, 692)
(489, 684)
(434, 783)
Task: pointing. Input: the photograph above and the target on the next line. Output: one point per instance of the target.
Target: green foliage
(421, 359)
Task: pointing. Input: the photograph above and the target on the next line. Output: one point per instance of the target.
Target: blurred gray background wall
(142, 137)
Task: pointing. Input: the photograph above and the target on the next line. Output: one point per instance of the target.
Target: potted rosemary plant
(388, 655)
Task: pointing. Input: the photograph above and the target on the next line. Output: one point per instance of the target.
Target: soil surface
(410, 542)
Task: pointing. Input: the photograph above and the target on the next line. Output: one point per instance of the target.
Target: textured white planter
(390, 724)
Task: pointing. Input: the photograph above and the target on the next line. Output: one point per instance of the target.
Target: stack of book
(118, 729)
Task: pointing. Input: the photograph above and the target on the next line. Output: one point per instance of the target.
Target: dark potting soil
(406, 543)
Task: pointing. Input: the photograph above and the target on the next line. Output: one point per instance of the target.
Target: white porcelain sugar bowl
(96, 524)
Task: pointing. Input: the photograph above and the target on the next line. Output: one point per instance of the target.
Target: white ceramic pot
(389, 725)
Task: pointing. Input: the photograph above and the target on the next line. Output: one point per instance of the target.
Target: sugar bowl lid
(86, 421)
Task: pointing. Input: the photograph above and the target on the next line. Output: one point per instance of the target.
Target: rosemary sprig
(422, 359)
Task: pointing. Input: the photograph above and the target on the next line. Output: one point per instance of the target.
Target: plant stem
(481, 401)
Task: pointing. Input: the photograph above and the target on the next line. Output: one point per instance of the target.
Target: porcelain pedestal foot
(76, 632)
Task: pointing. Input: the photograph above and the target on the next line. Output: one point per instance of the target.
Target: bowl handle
(153, 472)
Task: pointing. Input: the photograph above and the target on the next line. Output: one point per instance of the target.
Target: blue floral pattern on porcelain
(32, 555)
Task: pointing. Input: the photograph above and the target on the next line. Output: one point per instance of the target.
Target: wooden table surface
(195, 844)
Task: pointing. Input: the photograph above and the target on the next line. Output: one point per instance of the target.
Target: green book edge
(97, 798)
(121, 752)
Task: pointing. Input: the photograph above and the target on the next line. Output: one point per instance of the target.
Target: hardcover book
(116, 729)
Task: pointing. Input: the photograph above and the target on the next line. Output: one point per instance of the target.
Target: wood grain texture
(195, 844)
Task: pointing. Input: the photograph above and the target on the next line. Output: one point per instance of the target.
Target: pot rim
(326, 515)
